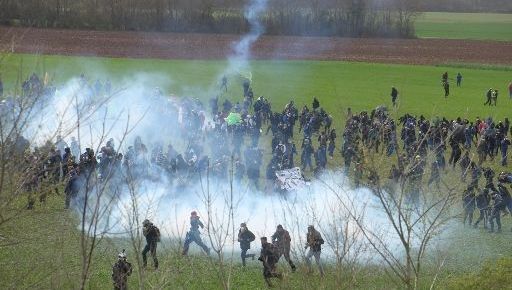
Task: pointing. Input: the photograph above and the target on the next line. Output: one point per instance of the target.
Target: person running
(282, 240)
(194, 235)
(245, 237)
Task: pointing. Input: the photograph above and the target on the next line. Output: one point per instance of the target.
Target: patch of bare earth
(214, 46)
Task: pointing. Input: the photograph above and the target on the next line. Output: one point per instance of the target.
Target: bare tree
(408, 225)
(220, 222)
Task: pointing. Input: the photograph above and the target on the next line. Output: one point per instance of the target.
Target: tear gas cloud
(155, 118)
(140, 110)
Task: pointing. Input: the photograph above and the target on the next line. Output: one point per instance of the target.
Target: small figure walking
(446, 86)
(444, 77)
(459, 79)
(224, 84)
(489, 97)
(314, 243)
(194, 235)
(394, 95)
(120, 272)
(494, 97)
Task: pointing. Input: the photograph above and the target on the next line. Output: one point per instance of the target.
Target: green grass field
(486, 26)
(338, 85)
(46, 255)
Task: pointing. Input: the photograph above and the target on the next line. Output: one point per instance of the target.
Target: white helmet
(122, 255)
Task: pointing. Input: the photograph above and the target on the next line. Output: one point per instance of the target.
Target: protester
(269, 258)
(121, 270)
(193, 235)
(245, 237)
(314, 242)
(152, 234)
(282, 240)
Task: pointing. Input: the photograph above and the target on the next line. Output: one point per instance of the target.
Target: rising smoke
(238, 62)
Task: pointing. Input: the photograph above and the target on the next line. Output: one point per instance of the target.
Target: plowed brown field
(211, 46)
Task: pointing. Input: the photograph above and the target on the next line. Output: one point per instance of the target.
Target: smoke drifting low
(140, 110)
(155, 118)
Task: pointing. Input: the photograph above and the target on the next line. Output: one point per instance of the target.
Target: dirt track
(207, 46)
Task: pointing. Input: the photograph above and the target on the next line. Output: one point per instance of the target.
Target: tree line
(357, 18)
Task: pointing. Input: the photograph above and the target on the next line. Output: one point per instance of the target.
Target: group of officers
(270, 253)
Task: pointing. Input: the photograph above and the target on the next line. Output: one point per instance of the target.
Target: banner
(290, 179)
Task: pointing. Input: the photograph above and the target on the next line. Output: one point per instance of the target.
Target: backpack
(157, 233)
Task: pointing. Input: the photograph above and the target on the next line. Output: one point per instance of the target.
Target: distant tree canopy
(359, 18)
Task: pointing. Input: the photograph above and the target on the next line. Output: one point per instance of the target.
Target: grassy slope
(50, 251)
(47, 257)
(486, 26)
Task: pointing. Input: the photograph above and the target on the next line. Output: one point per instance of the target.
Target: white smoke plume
(238, 62)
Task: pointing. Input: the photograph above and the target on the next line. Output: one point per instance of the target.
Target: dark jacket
(268, 255)
(245, 239)
(483, 200)
(281, 239)
(120, 272)
(195, 223)
(152, 233)
(314, 240)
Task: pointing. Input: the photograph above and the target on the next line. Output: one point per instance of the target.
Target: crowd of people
(218, 138)
(230, 138)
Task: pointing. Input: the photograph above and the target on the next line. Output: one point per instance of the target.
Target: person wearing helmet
(152, 234)
(120, 272)
(193, 235)
(245, 237)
